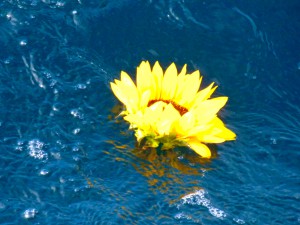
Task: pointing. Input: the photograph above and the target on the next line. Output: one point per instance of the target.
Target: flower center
(182, 110)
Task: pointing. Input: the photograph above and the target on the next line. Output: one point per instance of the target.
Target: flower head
(167, 108)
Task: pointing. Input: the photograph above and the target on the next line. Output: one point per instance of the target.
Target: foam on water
(36, 149)
(198, 198)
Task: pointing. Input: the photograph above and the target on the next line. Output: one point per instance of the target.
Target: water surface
(66, 159)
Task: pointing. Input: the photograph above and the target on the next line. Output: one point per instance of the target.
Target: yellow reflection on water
(115, 111)
(166, 169)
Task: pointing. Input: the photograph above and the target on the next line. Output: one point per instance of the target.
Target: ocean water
(66, 159)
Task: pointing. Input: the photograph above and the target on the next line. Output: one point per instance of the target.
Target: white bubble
(8, 60)
(180, 157)
(23, 42)
(36, 151)
(55, 107)
(182, 216)
(30, 213)
(239, 221)
(20, 146)
(196, 198)
(44, 172)
(77, 113)
(62, 180)
(217, 212)
(76, 158)
(75, 149)
(199, 198)
(60, 4)
(55, 91)
(81, 86)
(9, 16)
(76, 131)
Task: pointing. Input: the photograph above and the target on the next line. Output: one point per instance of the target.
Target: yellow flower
(168, 108)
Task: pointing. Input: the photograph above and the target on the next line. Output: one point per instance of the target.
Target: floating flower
(168, 109)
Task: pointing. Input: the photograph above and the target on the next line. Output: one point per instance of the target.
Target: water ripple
(65, 159)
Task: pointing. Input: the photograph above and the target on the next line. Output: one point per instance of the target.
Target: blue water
(65, 159)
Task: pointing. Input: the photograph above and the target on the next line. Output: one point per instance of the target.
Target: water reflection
(164, 169)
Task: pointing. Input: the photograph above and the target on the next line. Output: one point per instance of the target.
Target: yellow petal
(136, 120)
(158, 107)
(145, 80)
(227, 134)
(169, 82)
(180, 82)
(157, 72)
(139, 135)
(212, 139)
(186, 122)
(207, 110)
(118, 93)
(167, 120)
(216, 133)
(189, 90)
(126, 79)
(153, 113)
(183, 71)
(200, 149)
(224, 132)
(198, 129)
(145, 97)
(204, 94)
